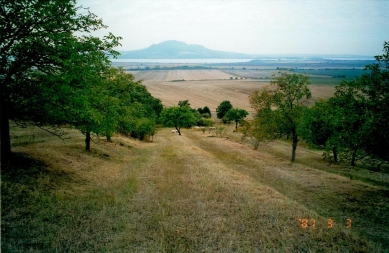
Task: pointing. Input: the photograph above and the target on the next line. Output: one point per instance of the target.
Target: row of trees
(351, 126)
(51, 78)
(184, 116)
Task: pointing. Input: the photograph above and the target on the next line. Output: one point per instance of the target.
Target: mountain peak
(174, 49)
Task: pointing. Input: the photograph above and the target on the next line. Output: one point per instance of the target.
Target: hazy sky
(250, 26)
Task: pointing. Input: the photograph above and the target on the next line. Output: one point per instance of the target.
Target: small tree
(223, 108)
(236, 115)
(178, 117)
(205, 112)
(182, 103)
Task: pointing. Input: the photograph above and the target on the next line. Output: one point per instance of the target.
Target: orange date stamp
(305, 223)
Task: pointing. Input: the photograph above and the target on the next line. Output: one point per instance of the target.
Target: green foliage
(178, 117)
(279, 111)
(205, 122)
(182, 103)
(319, 127)
(44, 64)
(237, 115)
(223, 108)
(144, 127)
(205, 112)
(353, 124)
(53, 78)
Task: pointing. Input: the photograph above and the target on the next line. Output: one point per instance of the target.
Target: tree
(361, 107)
(353, 124)
(182, 103)
(205, 112)
(41, 60)
(237, 115)
(178, 117)
(223, 108)
(318, 127)
(282, 106)
(375, 89)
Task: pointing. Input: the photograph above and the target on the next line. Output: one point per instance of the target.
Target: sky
(353, 27)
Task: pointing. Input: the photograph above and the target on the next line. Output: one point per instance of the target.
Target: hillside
(173, 49)
(189, 193)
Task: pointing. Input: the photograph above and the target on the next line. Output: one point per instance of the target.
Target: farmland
(211, 87)
(189, 193)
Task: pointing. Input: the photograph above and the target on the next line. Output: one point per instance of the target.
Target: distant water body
(182, 60)
(210, 61)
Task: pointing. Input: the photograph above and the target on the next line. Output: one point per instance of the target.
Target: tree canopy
(223, 108)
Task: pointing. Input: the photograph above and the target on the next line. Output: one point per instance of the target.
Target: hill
(173, 49)
(189, 193)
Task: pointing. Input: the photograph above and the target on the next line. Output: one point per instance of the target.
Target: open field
(209, 87)
(189, 193)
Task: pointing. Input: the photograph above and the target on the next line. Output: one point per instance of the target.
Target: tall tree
(283, 106)
(39, 45)
(361, 108)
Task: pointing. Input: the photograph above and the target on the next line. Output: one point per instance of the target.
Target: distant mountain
(173, 49)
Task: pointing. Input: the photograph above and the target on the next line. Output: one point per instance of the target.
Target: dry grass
(189, 193)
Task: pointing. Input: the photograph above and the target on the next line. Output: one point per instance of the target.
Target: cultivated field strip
(208, 88)
(205, 93)
(176, 75)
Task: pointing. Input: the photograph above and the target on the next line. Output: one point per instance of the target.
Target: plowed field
(208, 87)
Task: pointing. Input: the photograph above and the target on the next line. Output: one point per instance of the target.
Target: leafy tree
(223, 108)
(145, 127)
(318, 127)
(237, 115)
(41, 60)
(205, 112)
(375, 89)
(353, 123)
(178, 117)
(282, 107)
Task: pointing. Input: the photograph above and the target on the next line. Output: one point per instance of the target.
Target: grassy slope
(190, 193)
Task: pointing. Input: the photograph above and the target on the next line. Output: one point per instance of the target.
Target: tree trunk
(335, 153)
(236, 126)
(178, 130)
(87, 141)
(4, 126)
(109, 138)
(294, 147)
(354, 156)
